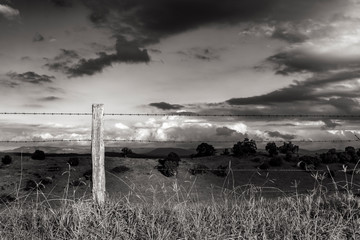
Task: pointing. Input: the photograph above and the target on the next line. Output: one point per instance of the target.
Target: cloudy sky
(168, 56)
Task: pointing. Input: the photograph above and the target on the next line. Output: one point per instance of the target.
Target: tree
(352, 153)
(205, 149)
(272, 149)
(244, 148)
(288, 147)
(126, 151)
(38, 155)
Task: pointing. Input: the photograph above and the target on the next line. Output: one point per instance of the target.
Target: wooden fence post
(98, 154)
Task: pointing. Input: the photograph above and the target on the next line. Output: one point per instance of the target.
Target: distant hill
(163, 152)
(47, 149)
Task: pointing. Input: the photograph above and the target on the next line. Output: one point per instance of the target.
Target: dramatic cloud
(276, 134)
(166, 106)
(126, 51)
(313, 89)
(225, 131)
(31, 77)
(329, 124)
(38, 37)
(62, 62)
(9, 12)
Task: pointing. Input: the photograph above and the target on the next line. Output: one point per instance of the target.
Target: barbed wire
(45, 141)
(191, 115)
(45, 113)
(172, 141)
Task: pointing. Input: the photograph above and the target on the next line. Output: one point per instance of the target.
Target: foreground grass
(312, 216)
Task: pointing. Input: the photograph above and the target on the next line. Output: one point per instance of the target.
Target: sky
(175, 56)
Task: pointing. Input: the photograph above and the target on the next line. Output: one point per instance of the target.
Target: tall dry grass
(237, 215)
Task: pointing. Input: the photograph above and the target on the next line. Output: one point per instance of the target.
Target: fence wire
(191, 115)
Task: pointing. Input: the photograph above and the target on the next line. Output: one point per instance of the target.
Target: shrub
(198, 169)
(343, 157)
(220, 171)
(74, 161)
(204, 150)
(329, 157)
(168, 166)
(126, 151)
(38, 155)
(271, 148)
(120, 169)
(6, 160)
(352, 153)
(244, 148)
(276, 161)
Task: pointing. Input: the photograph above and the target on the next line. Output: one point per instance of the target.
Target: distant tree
(271, 148)
(245, 147)
(126, 151)
(6, 160)
(352, 153)
(205, 149)
(38, 155)
(168, 166)
(330, 156)
(288, 147)
(226, 152)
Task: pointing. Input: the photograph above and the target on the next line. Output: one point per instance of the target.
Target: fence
(97, 136)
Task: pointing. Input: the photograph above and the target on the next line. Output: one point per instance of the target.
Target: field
(282, 202)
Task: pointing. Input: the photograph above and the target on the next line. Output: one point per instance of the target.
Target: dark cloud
(49, 98)
(303, 60)
(166, 106)
(276, 134)
(225, 131)
(128, 52)
(289, 35)
(344, 104)
(62, 62)
(62, 3)
(329, 124)
(304, 91)
(8, 84)
(31, 77)
(38, 37)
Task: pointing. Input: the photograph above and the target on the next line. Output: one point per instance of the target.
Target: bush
(271, 148)
(120, 169)
(168, 166)
(244, 148)
(198, 169)
(204, 150)
(126, 151)
(74, 161)
(220, 171)
(276, 161)
(329, 157)
(6, 160)
(38, 155)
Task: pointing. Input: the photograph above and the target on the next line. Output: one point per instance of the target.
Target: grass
(237, 214)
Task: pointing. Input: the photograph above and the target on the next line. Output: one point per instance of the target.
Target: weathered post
(98, 154)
